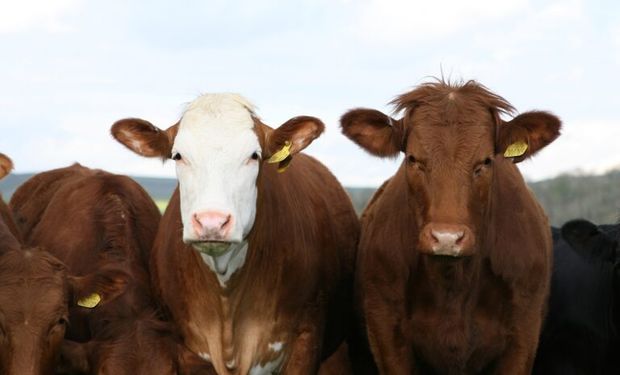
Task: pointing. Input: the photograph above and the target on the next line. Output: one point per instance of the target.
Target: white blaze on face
(216, 171)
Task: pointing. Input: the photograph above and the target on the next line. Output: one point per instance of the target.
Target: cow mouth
(212, 248)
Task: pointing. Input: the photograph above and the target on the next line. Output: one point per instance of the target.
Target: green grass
(161, 204)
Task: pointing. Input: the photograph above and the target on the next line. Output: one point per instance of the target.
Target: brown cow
(36, 292)
(91, 219)
(255, 266)
(455, 254)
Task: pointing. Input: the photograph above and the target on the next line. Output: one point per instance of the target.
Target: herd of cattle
(260, 265)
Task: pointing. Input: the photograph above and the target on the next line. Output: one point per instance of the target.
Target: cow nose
(446, 239)
(453, 240)
(212, 225)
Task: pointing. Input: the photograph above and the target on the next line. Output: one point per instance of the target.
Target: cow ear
(374, 131)
(144, 138)
(527, 134)
(192, 364)
(74, 358)
(98, 288)
(589, 241)
(6, 165)
(290, 138)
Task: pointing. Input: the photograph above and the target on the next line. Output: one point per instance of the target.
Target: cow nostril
(460, 236)
(227, 221)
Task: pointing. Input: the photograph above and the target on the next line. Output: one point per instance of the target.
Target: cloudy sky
(70, 68)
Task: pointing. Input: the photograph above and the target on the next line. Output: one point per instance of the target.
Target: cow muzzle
(447, 240)
(211, 232)
(212, 225)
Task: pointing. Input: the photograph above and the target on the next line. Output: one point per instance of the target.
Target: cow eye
(62, 321)
(416, 164)
(485, 164)
(254, 156)
(176, 156)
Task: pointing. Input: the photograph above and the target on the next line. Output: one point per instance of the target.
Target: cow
(36, 291)
(454, 259)
(253, 261)
(91, 219)
(580, 333)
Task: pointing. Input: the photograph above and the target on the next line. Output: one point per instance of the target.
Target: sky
(70, 68)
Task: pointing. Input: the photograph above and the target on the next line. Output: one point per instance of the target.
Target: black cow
(580, 334)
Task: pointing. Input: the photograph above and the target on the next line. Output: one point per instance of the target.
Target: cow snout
(212, 225)
(447, 239)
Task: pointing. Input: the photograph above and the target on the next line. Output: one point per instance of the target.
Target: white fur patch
(268, 368)
(216, 140)
(205, 356)
(228, 263)
(276, 346)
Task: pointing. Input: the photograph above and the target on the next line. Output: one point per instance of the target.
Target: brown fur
(140, 345)
(480, 312)
(91, 220)
(36, 292)
(295, 285)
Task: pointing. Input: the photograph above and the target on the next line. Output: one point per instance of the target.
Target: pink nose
(446, 239)
(212, 225)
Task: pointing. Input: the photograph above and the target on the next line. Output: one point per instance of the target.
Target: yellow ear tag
(281, 154)
(284, 164)
(516, 149)
(90, 301)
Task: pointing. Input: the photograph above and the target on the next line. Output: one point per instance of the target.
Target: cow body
(91, 219)
(580, 334)
(454, 258)
(254, 266)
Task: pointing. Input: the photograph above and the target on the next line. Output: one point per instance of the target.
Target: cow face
(218, 147)
(35, 293)
(452, 139)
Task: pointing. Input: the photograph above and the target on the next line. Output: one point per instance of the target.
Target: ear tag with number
(89, 301)
(281, 154)
(516, 149)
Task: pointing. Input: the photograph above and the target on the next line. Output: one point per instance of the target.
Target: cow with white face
(278, 245)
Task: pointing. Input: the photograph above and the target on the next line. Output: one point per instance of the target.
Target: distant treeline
(596, 198)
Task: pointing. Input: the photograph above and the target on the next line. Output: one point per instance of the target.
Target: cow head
(218, 147)
(35, 294)
(452, 139)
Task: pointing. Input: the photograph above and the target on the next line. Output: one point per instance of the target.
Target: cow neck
(225, 265)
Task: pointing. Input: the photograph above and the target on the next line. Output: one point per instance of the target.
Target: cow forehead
(218, 113)
(455, 141)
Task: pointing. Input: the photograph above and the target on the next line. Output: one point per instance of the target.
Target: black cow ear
(589, 241)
